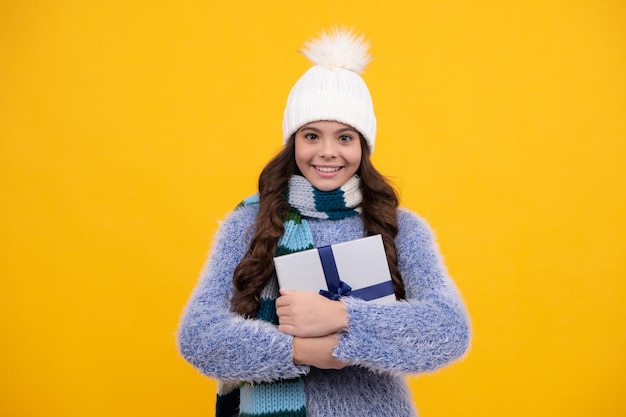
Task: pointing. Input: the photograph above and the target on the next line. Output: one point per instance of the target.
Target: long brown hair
(378, 213)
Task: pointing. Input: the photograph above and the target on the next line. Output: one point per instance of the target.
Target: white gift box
(361, 264)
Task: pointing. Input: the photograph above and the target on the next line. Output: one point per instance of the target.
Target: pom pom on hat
(340, 49)
(332, 89)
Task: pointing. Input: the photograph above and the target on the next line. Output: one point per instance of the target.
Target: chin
(327, 185)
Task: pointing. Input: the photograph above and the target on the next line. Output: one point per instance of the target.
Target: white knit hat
(332, 89)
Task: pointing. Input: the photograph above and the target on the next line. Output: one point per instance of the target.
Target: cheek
(301, 165)
(355, 154)
(302, 157)
(354, 158)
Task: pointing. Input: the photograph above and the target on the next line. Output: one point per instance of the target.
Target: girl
(295, 353)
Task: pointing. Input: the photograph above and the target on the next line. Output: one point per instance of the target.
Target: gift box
(357, 268)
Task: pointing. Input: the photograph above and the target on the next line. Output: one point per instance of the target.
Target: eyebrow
(342, 130)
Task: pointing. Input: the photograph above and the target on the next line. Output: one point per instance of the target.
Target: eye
(310, 136)
(345, 138)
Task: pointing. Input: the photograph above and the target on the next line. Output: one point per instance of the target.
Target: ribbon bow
(336, 287)
(340, 291)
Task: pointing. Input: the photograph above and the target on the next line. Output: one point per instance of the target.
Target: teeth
(328, 169)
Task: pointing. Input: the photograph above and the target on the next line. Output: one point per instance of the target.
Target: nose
(327, 148)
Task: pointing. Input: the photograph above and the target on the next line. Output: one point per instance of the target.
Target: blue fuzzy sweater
(383, 342)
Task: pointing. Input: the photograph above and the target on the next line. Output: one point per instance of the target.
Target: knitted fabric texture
(332, 88)
(384, 343)
(286, 398)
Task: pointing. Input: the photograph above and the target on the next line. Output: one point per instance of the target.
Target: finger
(286, 329)
(284, 300)
(286, 321)
(281, 302)
(283, 311)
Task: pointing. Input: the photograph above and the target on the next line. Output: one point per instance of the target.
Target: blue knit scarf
(286, 398)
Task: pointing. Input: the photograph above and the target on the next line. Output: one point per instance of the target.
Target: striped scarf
(286, 398)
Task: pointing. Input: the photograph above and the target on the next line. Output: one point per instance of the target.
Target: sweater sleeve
(427, 331)
(219, 342)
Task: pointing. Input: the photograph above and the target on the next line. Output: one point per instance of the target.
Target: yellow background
(129, 128)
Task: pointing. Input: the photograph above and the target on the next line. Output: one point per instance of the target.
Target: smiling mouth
(326, 169)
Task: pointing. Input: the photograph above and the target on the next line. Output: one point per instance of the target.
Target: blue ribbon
(337, 288)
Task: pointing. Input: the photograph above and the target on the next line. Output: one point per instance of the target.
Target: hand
(307, 314)
(317, 351)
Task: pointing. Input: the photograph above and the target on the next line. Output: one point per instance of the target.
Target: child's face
(328, 153)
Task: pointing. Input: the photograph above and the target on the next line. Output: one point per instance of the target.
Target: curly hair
(378, 212)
